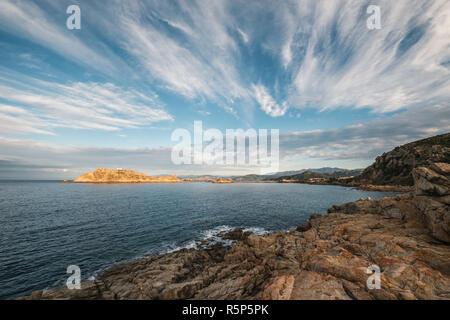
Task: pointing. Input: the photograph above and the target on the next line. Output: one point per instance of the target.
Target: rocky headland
(406, 236)
(391, 172)
(102, 175)
(396, 167)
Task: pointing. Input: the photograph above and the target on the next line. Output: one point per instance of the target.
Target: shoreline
(371, 188)
(387, 188)
(362, 187)
(325, 258)
(169, 273)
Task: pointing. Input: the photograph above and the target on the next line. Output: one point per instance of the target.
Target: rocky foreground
(407, 237)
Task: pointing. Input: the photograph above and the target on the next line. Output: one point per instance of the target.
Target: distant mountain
(395, 167)
(327, 170)
(291, 173)
(257, 177)
(309, 174)
(250, 177)
(303, 174)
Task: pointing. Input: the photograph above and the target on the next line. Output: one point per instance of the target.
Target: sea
(46, 226)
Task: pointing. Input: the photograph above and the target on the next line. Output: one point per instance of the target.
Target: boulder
(432, 198)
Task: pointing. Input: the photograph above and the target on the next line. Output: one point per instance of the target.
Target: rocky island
(407, 237)
(221, 180)
(102, 175)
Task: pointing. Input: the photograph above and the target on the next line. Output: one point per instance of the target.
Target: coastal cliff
(391, 172)
(102, 175)
(395, 167)
(406, 236)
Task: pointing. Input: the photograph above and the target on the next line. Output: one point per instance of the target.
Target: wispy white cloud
(328, 56)
(365, 141)
(346, 64)
(16, 120)
(26, 19)
(243, 35)
(298, 53)
(330, 147)
(267, 103)
(199, 65)
(101, 106)
(56, 161)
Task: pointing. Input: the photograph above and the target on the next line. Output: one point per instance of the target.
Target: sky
(111, 93)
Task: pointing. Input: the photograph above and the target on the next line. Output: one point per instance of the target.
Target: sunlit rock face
(102, 175)
(432, 198)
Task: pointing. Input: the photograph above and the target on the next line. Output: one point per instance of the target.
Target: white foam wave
(212, 236)
(257, 230)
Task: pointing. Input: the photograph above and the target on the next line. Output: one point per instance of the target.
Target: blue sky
(111, 94)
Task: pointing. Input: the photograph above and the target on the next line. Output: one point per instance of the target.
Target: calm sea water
(47, 226)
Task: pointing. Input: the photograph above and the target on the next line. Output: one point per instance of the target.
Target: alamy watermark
(374, 281)
(374, 20)
(236, 148)
(74, 20)
(74, 281)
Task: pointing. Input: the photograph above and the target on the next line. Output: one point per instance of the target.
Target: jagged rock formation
(102, 175)
(328, 261)
(432, 198)
(429, 204)
(395, 167)
(326, 258)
